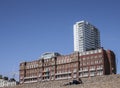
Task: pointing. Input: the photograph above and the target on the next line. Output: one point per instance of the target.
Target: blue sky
(29, 28)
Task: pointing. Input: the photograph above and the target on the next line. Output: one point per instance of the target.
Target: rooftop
(48, 55)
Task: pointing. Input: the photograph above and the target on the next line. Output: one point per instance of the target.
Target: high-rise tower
(86, 36)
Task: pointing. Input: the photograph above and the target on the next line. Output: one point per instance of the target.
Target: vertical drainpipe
(42, 69)
(103, 55)
(78, 67)
(55, 68)
(24, 71)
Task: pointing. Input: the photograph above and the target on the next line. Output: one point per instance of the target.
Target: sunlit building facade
(53, 66)
(86, 36)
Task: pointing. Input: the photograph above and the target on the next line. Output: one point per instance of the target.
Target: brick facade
(73, 66)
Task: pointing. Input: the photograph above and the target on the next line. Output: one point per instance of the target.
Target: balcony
(62, 73)
(30, 77)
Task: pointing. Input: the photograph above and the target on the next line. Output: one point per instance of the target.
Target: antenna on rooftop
(14, 74)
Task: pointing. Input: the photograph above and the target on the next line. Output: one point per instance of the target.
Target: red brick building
(53, 66)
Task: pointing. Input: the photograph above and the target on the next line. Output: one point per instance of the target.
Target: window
(87, 52)
(75, 70)
(96, 62)
(92, 73)
(100, 61)
(85, 73)
(95, 57)
(92, 67)
(100, 56)
(80, 69)
(84, 63)
(92, 62)
(85, 69)
(99, 50)
(100, 72)
(95, 51)
(83, 58)
(83, 53)
(87, 62)
(91, 52)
